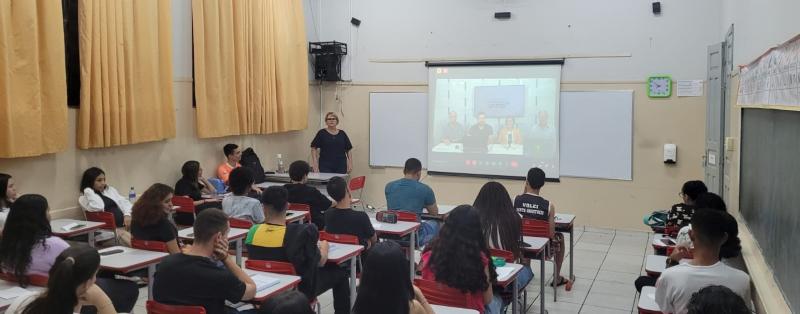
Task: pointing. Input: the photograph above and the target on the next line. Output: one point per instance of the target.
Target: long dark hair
(287, 302)
(72, 268)
(87, 181)
(457, 253)
(4, 199)
(716, 299)
(499, 221)
(191, 172)
(385, 284)
(26, 226)
(149, 208)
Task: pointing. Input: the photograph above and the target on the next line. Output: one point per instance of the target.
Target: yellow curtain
(33, 83)
(251, 71)
(126, 72)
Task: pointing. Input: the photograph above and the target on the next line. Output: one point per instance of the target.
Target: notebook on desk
(263, 281)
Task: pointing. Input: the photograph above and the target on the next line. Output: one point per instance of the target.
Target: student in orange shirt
(232, 156)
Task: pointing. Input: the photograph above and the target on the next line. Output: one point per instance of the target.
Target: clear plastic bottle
(132, 195)
(280, 164)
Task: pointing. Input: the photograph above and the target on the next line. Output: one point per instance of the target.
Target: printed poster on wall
(773, 79)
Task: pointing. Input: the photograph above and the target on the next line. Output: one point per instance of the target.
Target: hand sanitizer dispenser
(670, 154)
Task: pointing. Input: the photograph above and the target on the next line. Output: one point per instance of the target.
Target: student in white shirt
(8, 193)
(677, 284)
(97, 196)
(239, 205)
(71, 286)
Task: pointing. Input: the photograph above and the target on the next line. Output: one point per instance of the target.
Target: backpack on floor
(657, 220)
(250, 160)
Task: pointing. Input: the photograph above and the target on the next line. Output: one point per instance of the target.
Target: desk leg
(514, 297)
(571, 253)
(541, 281)
(353, 261)
(90, 236)
(411, 247)
(151, 271)
(239, 249)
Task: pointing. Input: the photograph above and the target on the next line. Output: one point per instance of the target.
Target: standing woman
(330, 149)
(8, 193)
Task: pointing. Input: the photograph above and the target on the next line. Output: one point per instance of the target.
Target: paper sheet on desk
(503, 271)
(13, 292)
(264, 281)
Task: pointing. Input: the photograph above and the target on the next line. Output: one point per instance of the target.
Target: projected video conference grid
(497, 126)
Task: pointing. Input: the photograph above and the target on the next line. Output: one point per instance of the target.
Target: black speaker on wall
(657, 8)
(328, 67)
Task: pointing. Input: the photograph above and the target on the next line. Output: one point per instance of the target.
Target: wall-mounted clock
(659, 86)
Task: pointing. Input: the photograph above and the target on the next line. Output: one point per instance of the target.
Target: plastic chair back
(156, 246)
(338, 238)
(506, 255)
(270, 266)
(154, 307)
(441, 294)
(536, 228)
(104, 217)
(185, 204)
(240, 223)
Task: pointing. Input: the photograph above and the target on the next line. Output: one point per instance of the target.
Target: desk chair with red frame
(155, 246)
(154, 307)
(303, 208)
(508, 256)
(184, 205)
(32, 279)
(107, 218)
(541, 229)
(283, 268)
(358, 184)
(441, 294)
(344, 239)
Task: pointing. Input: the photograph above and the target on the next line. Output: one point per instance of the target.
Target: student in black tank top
(531, 205)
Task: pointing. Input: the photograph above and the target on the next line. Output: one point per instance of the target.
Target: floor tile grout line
(595, 275)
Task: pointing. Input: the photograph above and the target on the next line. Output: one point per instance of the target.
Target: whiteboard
(398, 128)
(596, 134)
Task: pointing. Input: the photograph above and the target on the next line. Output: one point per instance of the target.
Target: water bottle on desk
(280, 164)
(132, 195)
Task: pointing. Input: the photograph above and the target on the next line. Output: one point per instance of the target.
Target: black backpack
(250, 160)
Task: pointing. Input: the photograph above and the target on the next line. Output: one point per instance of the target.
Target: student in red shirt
(459, 258)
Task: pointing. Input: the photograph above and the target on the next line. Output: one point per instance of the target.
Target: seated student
(97, 196)
(232, 156)
(71, 286)
(193, 185)
(681, 214)
(385, 285)
(239, 205)
(196, 278)
(532, 206)
(302, 193)
(342, 219)
(501, 225)
(298, 244)
(459, 258)
(676, 284)
(150, 217)
(408, 194)
(8, 193)
(28, 247)
(717, 299)
(730, 249)
(287, 302)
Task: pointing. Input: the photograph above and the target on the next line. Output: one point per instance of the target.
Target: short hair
(287, 302)
(710, 226)
(275, 198)
(710, 200)
(337, 188)
(228, 149)
(693, 189)
(240, 180)
(208, 223)
(298, 170)
(412, 165)
(535, 178)
(716, 299)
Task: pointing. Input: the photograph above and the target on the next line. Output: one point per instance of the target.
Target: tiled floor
(606, 264)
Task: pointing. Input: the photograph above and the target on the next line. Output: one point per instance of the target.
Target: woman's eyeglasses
(331, 119)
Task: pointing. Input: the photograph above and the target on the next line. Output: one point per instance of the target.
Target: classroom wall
(611, 40)
(598, 203)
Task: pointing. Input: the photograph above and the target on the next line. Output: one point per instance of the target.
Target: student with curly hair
(459, 258)
(150, 217)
